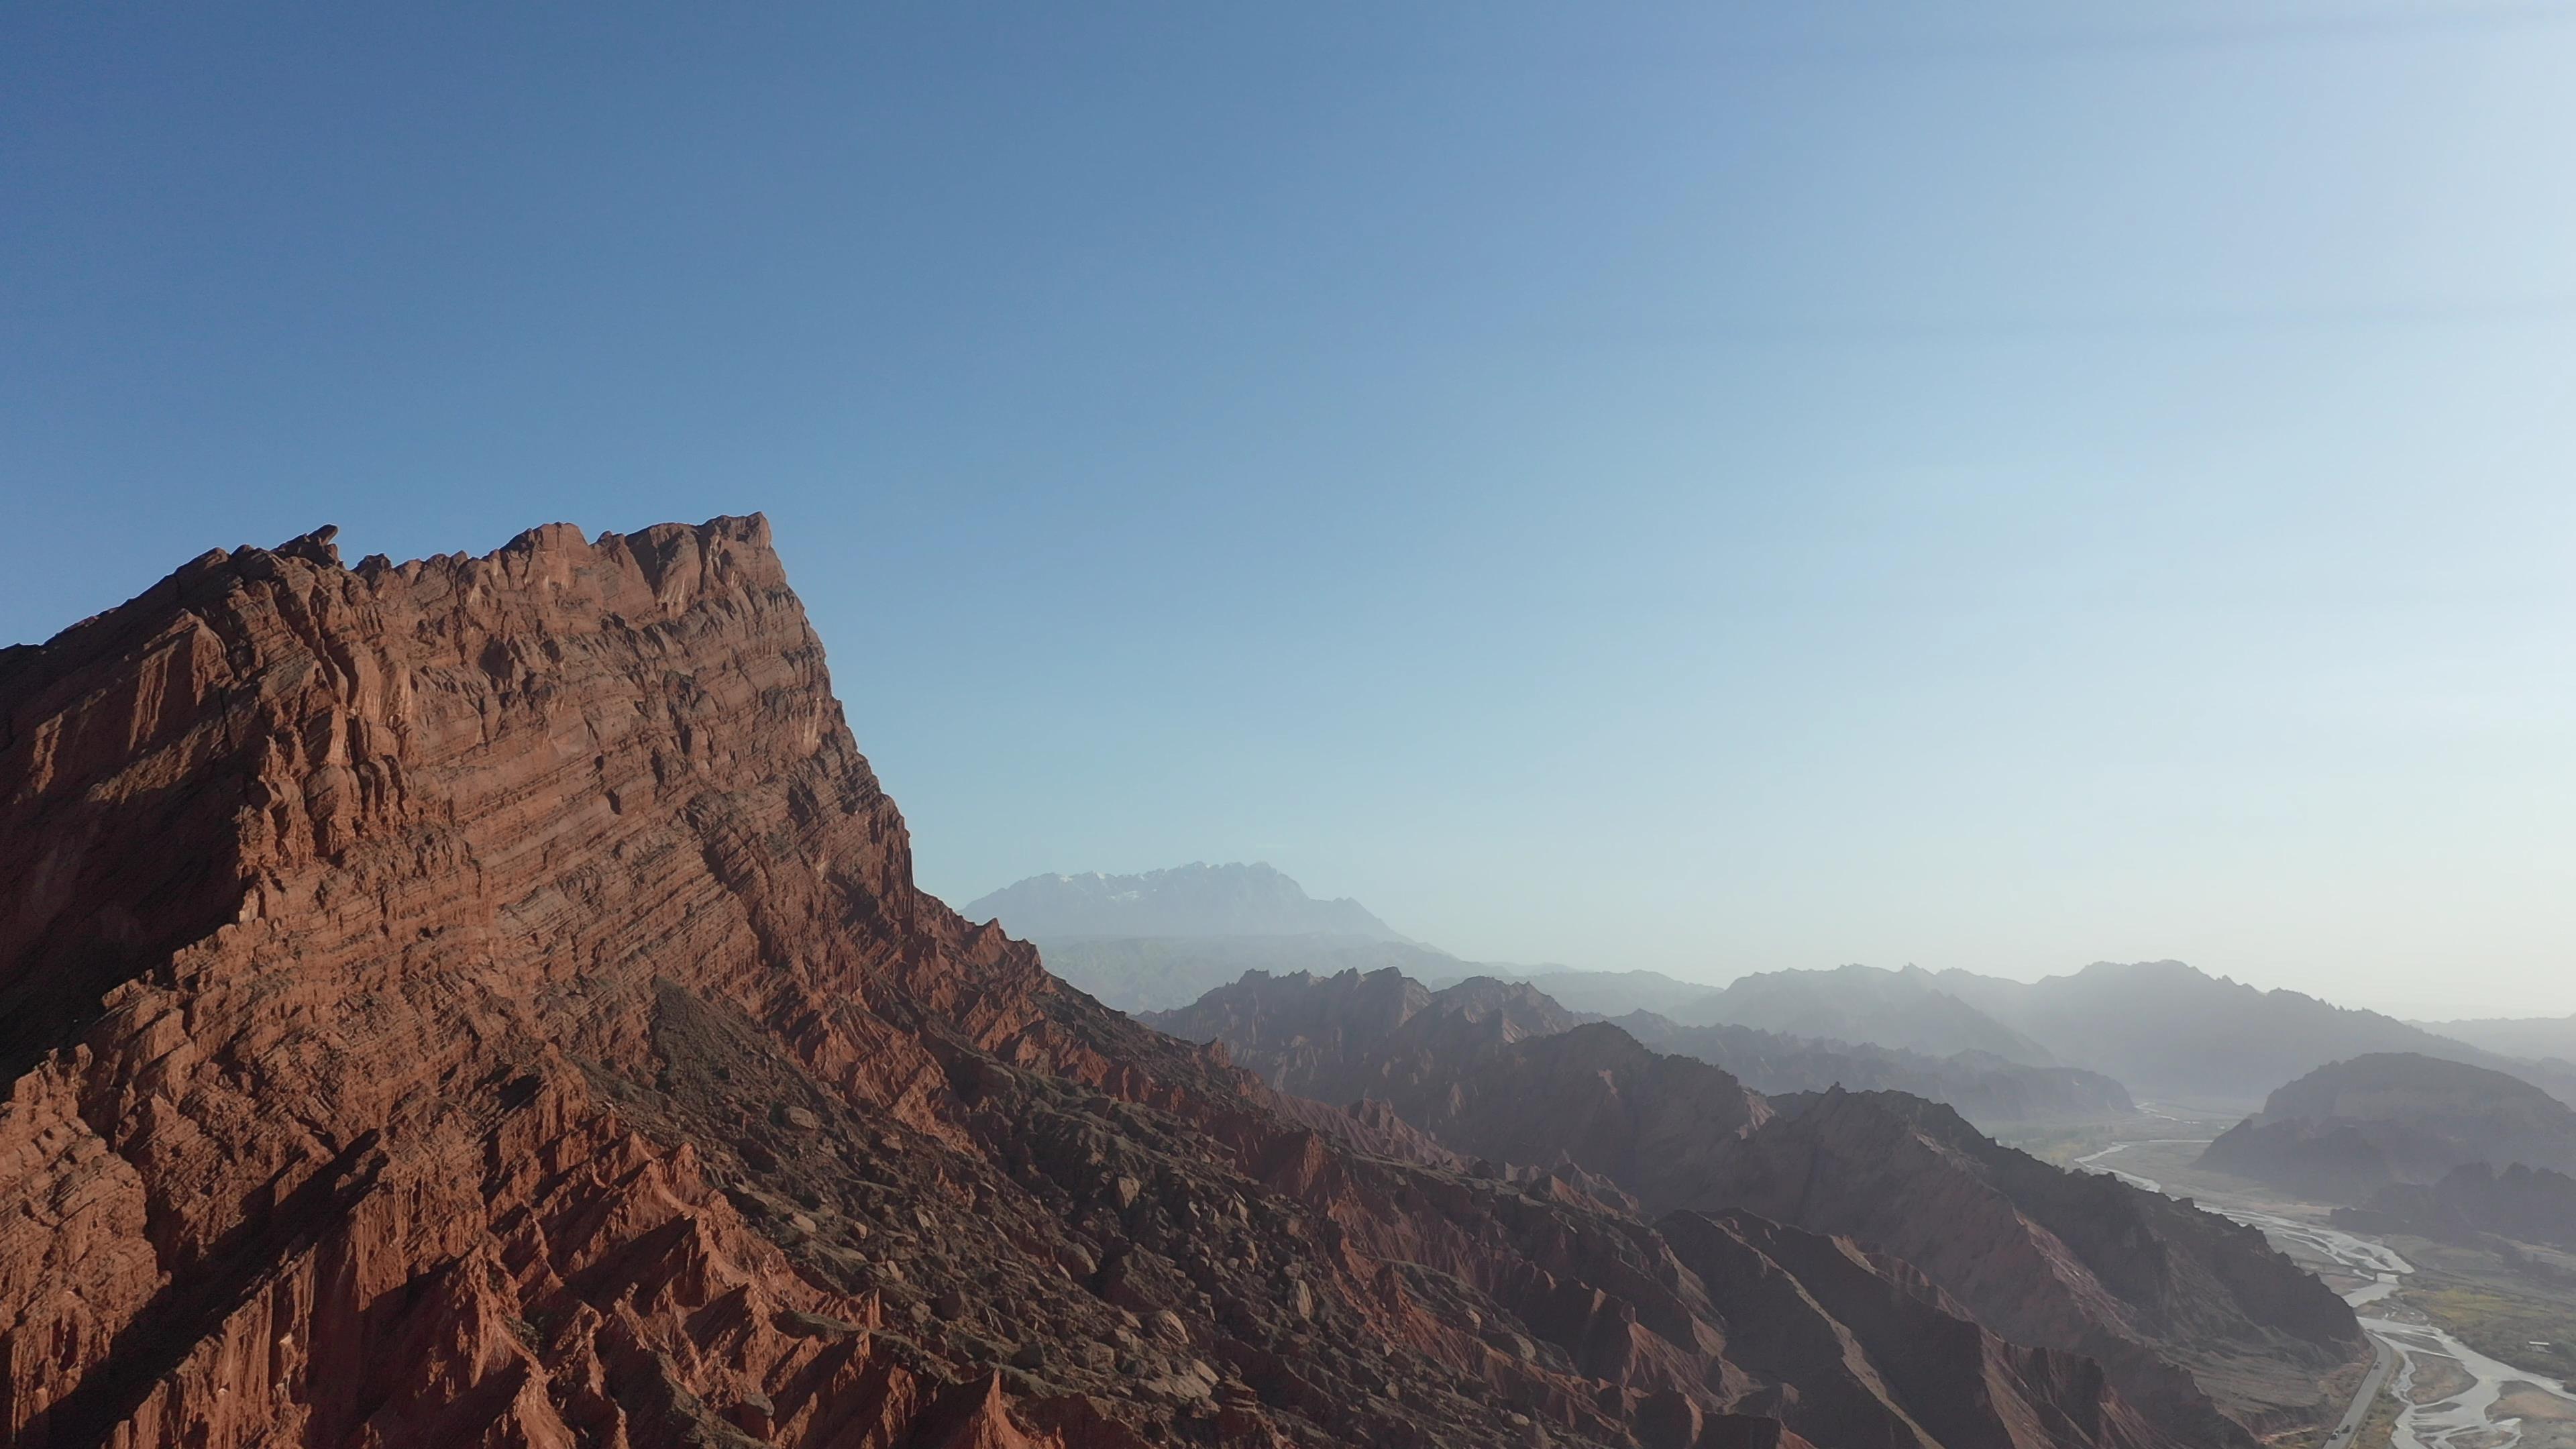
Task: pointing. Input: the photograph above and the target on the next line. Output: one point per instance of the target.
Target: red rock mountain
(484, 1001)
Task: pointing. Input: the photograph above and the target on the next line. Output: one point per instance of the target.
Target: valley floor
(2484, 1350)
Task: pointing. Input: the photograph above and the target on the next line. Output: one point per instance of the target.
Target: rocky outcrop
(485, 1001)
(2349, 1128)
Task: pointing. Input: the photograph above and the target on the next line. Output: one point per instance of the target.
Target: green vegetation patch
(2504, 1326)
(2378, 1428)
(2058, 1145)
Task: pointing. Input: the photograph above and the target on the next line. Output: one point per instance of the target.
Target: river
(2463, 1421)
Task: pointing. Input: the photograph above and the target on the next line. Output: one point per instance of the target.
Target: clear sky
(1715, 488)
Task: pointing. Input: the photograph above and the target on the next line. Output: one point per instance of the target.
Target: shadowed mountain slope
(2170, 1300)
(2147, 1285)
(2530, 1205)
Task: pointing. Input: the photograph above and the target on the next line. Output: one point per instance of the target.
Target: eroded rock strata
(485, 1001)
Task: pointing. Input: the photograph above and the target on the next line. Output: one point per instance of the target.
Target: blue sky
(1711, 488)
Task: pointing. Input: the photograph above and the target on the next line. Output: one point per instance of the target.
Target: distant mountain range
(2534, 1037)
(1158, 973)
(1165, 938)
(1903, 1010)
(2163, 1030)
(1306, 1030)
(1986, 1089)
(1906, 1009)
(2175, 1033)
(1191, 900)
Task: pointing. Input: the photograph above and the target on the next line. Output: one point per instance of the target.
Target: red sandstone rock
(485, 1001)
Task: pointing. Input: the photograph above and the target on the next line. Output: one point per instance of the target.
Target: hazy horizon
(1719, 975)
(1737, 490)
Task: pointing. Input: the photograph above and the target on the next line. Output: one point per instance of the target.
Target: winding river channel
(2466, 1420)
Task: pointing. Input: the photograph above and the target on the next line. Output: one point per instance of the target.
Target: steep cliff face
(355, 901)
(484, 1001)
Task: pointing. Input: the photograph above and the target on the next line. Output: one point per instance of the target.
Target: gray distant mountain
(1905, 1009)
(2178, 1034)
(1358, 1033)
(1984, 1088)
(1899, 1010)
(1609, 993)
(2527, 1204)
(1190, 900)
(2351, 1127)
(2534, 1037)
(1158, 973)
(1165, 938)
